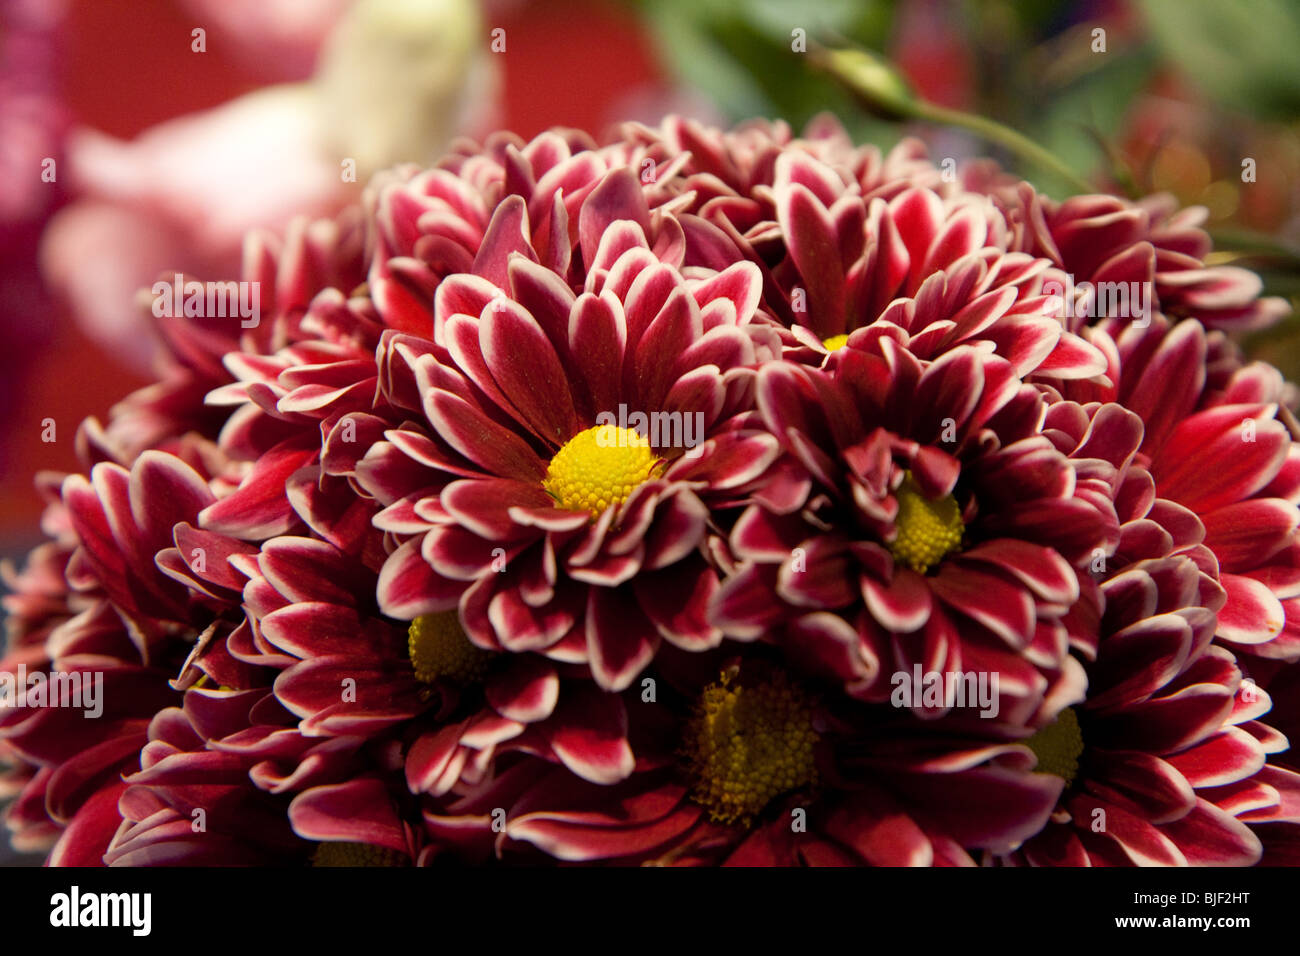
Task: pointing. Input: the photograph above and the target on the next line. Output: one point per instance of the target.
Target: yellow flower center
(1058, 746)
(356, 854)
(599, 467)
(835, 342)
(929, 529)
(440, 650)
(748, 743)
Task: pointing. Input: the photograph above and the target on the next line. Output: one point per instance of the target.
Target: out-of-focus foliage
(1242, 54)
(738, 52)
(1028, 64)
(1172, 96)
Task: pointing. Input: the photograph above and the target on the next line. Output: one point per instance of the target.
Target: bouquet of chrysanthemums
(701, 497)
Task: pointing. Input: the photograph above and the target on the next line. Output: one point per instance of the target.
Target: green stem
(1120, 170)
(1004, 136)
(878, 85)
(1248, 242)
(881, 87)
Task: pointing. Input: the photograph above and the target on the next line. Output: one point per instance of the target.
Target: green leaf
(1242, 53)
(1093, 106)
(740, 53)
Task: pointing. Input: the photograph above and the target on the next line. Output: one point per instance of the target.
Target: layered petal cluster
(111, 639)
(691, 498)
(942, 528)
(520, 498)
(849, 240)
(1153, 243)
(110, 598)
(1218, 440)
(1165, 764)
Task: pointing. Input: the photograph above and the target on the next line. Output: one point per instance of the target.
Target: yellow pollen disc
(205, 683)
(1058, 746)
(835, 342)
(440, 650)
(748, 743)
(929, 529)
(356, 854)
(599, 467)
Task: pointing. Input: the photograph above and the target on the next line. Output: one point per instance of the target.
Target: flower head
(694, 498)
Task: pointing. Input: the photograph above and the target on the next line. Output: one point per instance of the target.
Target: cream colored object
(398, 79)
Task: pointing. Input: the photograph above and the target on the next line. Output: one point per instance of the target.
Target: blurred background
(141, 137)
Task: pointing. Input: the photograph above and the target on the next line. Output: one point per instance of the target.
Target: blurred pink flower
(278, 39)
(184, 193)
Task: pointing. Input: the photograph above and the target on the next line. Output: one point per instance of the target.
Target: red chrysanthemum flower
(943, 527)
(1150, 242)
(121, 615)
(1216, 440)
(1165, 759)
(588, 502)
(759, 765)
(848, 240)
(123, 626)
(572, 445)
